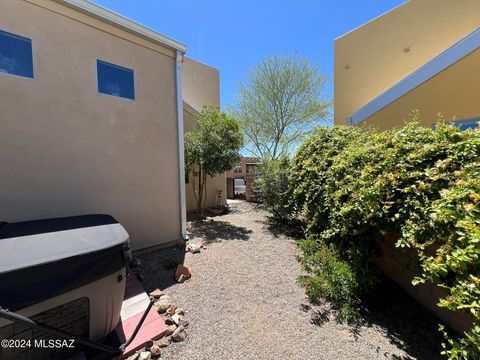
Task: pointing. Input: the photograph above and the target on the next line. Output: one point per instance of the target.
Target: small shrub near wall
(274, 187)
(421, 184)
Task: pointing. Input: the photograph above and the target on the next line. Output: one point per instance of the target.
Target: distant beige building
(422, 55)
(201, 86)
(92, 118)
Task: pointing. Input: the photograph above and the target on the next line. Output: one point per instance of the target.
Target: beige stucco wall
(201, 86)
(371, 59)
(453, 93)
(65, 149)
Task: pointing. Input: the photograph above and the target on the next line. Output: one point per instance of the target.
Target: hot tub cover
(45, 258)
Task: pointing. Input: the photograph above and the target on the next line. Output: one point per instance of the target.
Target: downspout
(181, 151)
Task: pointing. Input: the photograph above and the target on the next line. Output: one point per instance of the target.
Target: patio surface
(134, 305)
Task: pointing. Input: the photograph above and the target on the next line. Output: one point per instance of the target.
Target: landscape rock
(134, 356)
(163, 304)
(179, 335)
(162, 307)
(165, 299)
(170, 329)
(168, 320)
(183, 321)
(156, 294)
(193, 248)
(182, 270)
(163, 342)
(180, 311)
(148, 345)
(155, 350)
(176, 319)
(171, 310)
(145, 355)
(180, 320)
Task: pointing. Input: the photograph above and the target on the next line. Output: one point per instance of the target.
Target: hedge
(419, 183)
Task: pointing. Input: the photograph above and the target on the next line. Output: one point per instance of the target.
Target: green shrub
(329, 278)
(275, 190)
(309, 176)
(418, 183)
(323, 182)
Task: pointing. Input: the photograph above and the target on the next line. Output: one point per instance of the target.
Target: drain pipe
(181, 150)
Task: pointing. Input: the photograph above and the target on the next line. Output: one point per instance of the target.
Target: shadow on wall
(218, 231)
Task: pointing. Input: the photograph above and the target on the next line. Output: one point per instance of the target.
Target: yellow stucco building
(422, 55)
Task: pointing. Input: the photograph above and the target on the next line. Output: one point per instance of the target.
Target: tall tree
(279, 103)
(211, 148)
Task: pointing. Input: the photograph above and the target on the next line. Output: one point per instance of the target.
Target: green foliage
(419, 183)
(464, 348)
(279, 103)
(211, 148)
(275, 188)
(329, 278)
(215, 142)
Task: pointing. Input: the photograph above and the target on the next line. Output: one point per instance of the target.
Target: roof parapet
(124, 23)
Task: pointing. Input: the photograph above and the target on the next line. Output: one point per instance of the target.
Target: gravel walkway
(243, 302)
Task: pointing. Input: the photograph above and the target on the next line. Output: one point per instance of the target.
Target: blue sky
(234, 35)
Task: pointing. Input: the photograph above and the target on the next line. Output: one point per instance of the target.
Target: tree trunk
(200, 194)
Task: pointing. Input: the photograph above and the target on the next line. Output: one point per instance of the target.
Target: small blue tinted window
(463, 124)
(467, 124)
(115, 80)
(16, 56)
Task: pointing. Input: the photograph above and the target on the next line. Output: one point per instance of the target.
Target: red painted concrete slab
(134, 305)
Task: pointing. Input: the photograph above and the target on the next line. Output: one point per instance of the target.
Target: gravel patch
(243, 301)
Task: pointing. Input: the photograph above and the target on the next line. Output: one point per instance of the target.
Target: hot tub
(45, 264)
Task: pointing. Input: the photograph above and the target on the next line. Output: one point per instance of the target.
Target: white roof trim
(124, 23)
(450, 56)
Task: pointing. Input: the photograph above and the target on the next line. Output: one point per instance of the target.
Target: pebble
(170, 329)
(180, 334)
(163, 342)
(156, 294)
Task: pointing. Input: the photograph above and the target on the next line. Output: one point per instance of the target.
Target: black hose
(124, 345)
(17, 318)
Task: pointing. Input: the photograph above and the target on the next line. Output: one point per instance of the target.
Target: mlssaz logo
(54, 343)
